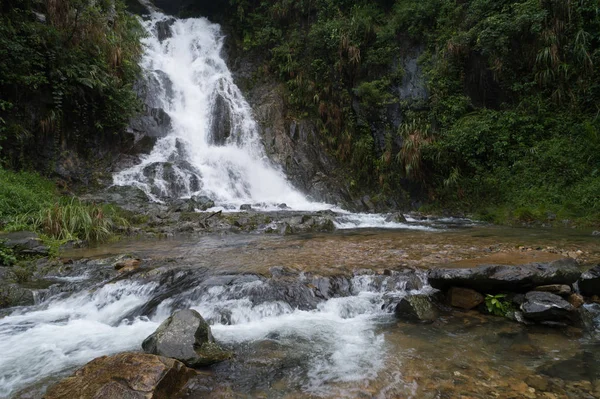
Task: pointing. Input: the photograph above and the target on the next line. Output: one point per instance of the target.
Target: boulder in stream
(546, 307)
(186, 336)
(126, 375)
(589, 283)
(417, 307)
(490, 279)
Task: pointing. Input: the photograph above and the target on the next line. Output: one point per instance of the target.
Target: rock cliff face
(294, 145)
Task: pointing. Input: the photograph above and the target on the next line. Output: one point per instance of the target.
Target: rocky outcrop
(185, 336)
(295, 145)
(589, 283)
(504, 278)
(417, 307)
(126, 375)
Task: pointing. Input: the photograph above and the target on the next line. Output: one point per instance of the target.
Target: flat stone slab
(488, 279)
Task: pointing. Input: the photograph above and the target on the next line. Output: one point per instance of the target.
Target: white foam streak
(35, 343)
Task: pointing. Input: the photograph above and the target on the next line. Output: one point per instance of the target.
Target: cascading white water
(213, 147)
(189, 79)
(338, 338)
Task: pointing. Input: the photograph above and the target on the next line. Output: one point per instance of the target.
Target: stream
(305, 315)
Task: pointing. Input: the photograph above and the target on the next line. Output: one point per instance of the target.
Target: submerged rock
(589, 283)
(418, 307)
(505, 278)
(126, 375)
(464, 298)
(185, 336)
(545, 306)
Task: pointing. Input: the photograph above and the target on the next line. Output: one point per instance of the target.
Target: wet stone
(546, 307)
(185, 336)
(419, 307)
(126, 375)
(507, 278)
(558, 289)
(464, 298)
(589, 283)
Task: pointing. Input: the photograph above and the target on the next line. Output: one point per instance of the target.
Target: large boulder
(418, 307)
(545, 306)
(589, 283)
(185, 336)
(126, 375)
(504, 278)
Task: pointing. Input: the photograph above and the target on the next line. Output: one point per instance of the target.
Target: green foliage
(496, 304)
(67, 80)
(30, 202)
(7, 257)
(72, 219)
(24, 192)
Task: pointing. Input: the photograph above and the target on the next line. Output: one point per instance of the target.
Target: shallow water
(349, 346)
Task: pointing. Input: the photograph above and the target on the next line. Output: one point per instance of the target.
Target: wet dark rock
(547, 307)
(126, 375)
(589, 283)
(283, 206)
(24, 243)
(185, 336)
(505, 278)
(596, 233)
(127, 265)
(155, 122)
(558, 289)
(464, 298)
(418, 307)
(220, 128)
(180, 176)
(163, 28)
(12, 294)
(367, 203)
(396, 218)
(202, 202)
(245, 207)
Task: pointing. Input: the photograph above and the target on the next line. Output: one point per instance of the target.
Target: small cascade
(332, 320)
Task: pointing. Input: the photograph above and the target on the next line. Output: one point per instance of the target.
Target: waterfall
(213, 146)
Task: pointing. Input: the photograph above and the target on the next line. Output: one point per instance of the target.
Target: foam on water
(337, 339)
(59, 334)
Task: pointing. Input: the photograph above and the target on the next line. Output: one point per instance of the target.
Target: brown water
(373, 249)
